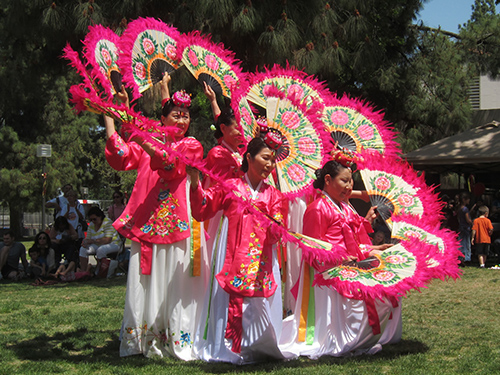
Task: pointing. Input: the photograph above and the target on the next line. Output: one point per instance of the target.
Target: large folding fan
(303, 149)
(355, 125)
(395, 188)
(444, 260)
(101, 51)
(209, 62)
(389, 274)
(294, 83)
(148, 50)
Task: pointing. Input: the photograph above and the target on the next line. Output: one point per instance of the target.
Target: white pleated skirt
(262, 318)
(340, 326)
(162, 310)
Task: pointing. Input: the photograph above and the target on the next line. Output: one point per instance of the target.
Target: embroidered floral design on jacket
(165, 220)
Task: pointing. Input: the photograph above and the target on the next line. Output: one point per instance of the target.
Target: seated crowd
(62, 253)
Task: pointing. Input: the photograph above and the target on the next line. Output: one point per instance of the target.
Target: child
(481, 234)
(38, 264)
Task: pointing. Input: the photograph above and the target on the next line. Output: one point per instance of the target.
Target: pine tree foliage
(371, 49)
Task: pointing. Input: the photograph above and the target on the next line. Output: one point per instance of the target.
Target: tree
(366, 48)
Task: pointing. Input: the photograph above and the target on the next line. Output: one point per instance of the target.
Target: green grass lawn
(449, 328)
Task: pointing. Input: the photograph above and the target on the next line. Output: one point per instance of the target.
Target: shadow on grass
(404, 347)
(77, 346)
(83, 345)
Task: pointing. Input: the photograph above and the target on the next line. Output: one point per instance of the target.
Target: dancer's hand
(195, 176)
(123, 96)
(372, 214)
(165, 93)
(209, 93)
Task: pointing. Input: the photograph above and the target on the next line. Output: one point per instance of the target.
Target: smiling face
(177, 118)
(339, 188)
(260, 166)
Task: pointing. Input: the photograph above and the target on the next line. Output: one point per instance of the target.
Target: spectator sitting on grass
(10, 253)
(102, 239)
(38, 264)
(43, 246)
(63, 237)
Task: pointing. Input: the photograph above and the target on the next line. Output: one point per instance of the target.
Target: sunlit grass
(449, 328)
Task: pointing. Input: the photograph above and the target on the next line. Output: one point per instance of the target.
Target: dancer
(325, 322)
(163, 291)
(243, 310)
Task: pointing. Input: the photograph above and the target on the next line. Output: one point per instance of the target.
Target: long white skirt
(296, 210)
(162, 310)
(394, 328)
(262, 318)
(340, 326)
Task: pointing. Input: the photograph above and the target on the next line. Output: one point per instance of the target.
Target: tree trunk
(16, 220)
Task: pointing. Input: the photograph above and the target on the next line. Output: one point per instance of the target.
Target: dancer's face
(262, 164)
(339, 188)
(178, 118)
(232, 135)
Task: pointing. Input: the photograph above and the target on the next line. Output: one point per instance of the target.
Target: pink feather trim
(317, 89)
(358, 290)
(376, 117)
(448, 259)
(96, 34)
(126, 46)
(74, 60)
(195, 38)
(397, 167)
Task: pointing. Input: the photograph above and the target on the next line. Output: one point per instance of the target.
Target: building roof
(477, 149)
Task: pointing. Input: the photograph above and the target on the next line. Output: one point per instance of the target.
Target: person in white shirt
(59, 202)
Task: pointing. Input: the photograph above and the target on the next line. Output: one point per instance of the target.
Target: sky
(446, 13)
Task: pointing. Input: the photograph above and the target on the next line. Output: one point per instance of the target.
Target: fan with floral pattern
(396, 188)
(445, 259)
(389, 274)
(304, 142)
(148, 49)
(294, 83)
(355, 125)
(101, 51)
(210, 63)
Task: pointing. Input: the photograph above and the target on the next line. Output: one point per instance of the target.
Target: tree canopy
(372, 49)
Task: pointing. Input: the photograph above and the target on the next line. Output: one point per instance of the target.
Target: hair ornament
(181, 99)
(273, 140)
(344, 157)
(262, 123)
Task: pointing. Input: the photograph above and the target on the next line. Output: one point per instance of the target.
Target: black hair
(225, 117)
(463, 197)
(168, 107)
(10, 232)
(332, 168)
(96, 211)
(33, 249)
(61, 224)
(122, 197)
(49, 243)
(253, 148)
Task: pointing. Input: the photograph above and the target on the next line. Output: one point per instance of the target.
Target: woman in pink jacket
(166, 278)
